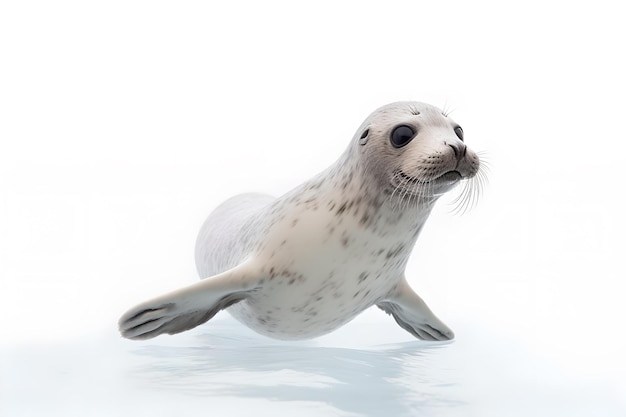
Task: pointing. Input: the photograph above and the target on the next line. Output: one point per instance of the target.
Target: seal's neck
(356, 183)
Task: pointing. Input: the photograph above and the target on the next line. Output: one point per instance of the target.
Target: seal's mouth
(407, 186)
(450, 176)
(446, 177)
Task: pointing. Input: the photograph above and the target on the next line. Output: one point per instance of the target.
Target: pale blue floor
(223, 369)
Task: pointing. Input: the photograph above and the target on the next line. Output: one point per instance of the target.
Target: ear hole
(363, 139)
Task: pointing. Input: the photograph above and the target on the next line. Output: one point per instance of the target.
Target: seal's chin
(446, 182)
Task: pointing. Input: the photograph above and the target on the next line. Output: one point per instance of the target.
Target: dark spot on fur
(392, 253)
(363, 276)
(341, 209)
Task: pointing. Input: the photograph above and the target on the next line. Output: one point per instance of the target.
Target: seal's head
(414, 151)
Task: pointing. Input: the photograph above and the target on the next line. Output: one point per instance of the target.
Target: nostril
(455, 149)
(459, 150)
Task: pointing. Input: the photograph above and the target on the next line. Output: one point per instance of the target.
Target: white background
(122, 124)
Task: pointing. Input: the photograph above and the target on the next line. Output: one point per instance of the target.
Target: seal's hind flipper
(188, 307)
(414, 316)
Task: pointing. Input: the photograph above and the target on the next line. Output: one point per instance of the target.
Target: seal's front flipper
(413, 315)
(190, 306)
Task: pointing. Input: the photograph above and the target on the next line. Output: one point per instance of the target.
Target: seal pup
(304, 264)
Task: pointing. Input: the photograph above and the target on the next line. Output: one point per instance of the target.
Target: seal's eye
(459, 132)
(402, 135)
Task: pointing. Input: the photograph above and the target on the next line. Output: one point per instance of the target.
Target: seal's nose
(459, 149)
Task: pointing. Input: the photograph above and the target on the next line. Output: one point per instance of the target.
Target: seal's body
(306, 263)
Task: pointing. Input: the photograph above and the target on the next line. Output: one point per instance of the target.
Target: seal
(304, 264)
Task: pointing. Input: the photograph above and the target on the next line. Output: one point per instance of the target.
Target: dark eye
(402, 135)
(459, 132)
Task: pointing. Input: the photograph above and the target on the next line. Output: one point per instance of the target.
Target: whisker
(483, 157)
(471, 192)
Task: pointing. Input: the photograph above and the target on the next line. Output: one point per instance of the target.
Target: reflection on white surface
(225, 368)
(385, 380)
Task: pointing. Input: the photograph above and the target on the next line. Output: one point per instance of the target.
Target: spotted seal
(304, 264)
